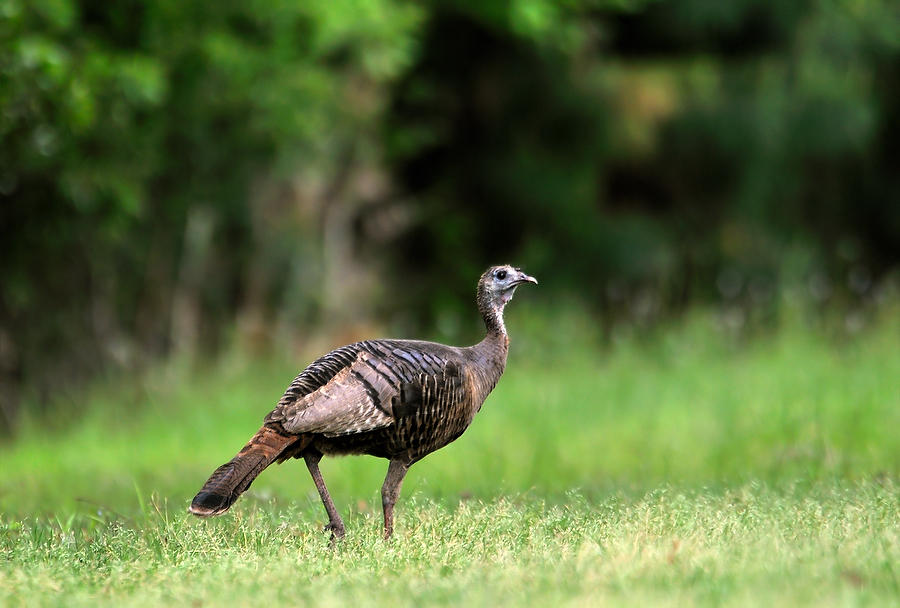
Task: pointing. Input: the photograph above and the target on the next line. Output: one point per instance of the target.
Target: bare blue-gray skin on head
(395, 399)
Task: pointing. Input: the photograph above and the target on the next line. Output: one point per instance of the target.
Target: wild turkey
(395, 399)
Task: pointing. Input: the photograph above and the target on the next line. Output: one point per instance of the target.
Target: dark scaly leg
(335, 524)
(390, 491)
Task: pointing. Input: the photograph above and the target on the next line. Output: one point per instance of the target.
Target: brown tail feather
(232, 478)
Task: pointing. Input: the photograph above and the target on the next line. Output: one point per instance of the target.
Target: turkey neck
(490, 353)
(490, 358)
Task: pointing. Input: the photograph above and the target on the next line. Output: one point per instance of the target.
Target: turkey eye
(501, 274)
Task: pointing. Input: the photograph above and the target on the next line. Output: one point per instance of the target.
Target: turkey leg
(335, 524)
(390, 491)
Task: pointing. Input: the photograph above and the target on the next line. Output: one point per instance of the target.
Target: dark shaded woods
(171, 171)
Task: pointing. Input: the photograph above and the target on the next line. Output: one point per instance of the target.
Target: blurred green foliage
(133, 135)
(170, 170)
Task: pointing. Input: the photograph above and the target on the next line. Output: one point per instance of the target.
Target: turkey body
(409, 398)
(394, 399)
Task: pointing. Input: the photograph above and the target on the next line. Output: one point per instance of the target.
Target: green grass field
(688, 467)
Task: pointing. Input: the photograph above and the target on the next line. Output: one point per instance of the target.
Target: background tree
(169, 170)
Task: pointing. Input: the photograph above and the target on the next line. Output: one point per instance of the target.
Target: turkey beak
(524, 278)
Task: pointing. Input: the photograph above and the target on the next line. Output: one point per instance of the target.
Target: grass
(823, 546)
(687, 468)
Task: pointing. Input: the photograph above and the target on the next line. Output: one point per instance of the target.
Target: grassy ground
(687, 468)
